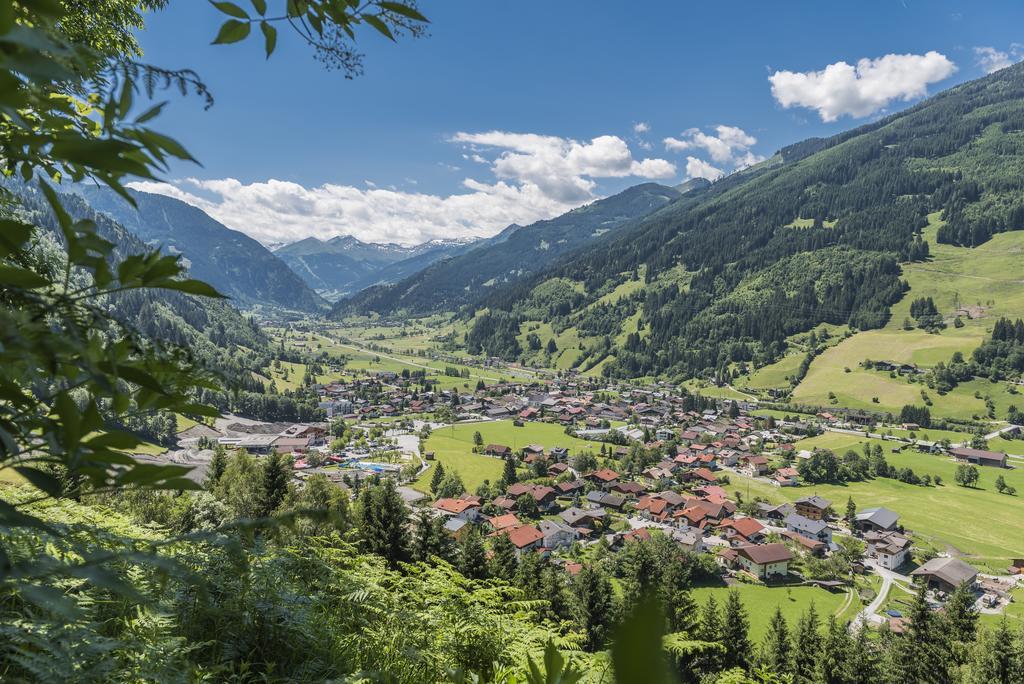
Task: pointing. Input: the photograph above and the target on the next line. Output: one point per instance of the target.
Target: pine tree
(851, 513)
(435, 479)
(960, 621)
(274, 483)
(735, 629)
(473, 556)
(709, 629)
(218, 464)
(593, 606)
(833, 662)
(503, 563)
(861, 663)
(993, 657)
(774, 653)
(423, 543)
(508, 475)
(920, 654)
(807, 645)
(382, 517)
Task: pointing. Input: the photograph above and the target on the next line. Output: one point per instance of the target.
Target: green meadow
(453, 447)
(945, 517)
(985, 279)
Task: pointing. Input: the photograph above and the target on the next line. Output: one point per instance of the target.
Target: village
(571, 466)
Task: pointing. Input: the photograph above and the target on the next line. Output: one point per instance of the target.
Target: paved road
(870, 612)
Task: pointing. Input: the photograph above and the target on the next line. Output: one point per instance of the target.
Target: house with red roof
(742, 530)
(458, 508)
(524, 538)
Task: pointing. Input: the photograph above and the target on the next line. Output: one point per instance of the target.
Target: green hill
(514, 254)
(831, 232)
(233, 262)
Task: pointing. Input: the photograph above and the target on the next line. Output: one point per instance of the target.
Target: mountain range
(509, 256)
(237, 265)
(344, 265)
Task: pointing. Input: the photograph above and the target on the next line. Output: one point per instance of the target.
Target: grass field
(760, 602)
(946, 516)
(987, 278)
(452, 446)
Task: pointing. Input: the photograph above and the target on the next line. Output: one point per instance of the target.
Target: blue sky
(518, 111)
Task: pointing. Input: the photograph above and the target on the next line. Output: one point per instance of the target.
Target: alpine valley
(453, 368)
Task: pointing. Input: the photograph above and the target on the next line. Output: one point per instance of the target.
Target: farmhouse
(813, 529)
(979, 456)
(890, 549)
(945, 574)
(876, 520)
(764, 560)
(813, 507)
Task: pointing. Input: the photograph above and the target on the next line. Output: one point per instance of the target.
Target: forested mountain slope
(344, 265)
(462, 280)
(220, 338)
(231, 261)
(815, 235)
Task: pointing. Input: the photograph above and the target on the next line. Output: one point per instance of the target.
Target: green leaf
(50, 599)
(151, 113)
(231, 9)
(21, 277)
(13, 236)
(42, 481)
(404, 10)
(270, 37)
(374, 21)
(190, 286)
(260, 5)
(637, 654)
(232, 31)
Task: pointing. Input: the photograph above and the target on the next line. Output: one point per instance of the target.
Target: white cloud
(641, 127)
(563, 169)
(842, 89)
(992, 60)
(280, 211)
(698, 168)
(728, 147)
(536, 177)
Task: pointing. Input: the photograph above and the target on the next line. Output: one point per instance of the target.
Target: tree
(241, 486)
(966, 475)
(478, 439)
(382, 520)
(920, 654)
(807, 644)
(774, 653)
(851, 513)
(435, 479)
(593, 606)
(994, 658)
(735, 628)
(274, 483)
(960, 622)
(508, 474)
(527, 506)
(431, 539)
(472, 556)
(1000, 484)
(709, 629)
(218, 464)
(503, 563)
(835, 653)
(451, 486)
